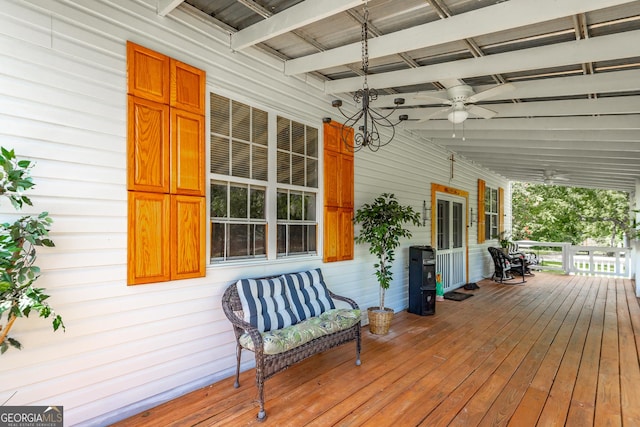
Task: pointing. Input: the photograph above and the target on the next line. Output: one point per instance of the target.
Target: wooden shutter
(187, 87)
(346, 181)
(148, 74)
(187, 219)
(187, 153)
(331, 237)
(165, 168)
(346, 238)
(338, 196)
(482, 186)
(148, 234)
(148, 146)
(501, 210)
(332, 177)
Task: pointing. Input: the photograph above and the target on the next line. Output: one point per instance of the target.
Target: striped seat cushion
(265, 304)
(308, 293)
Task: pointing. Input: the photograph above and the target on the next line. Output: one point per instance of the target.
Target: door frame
(439, 188)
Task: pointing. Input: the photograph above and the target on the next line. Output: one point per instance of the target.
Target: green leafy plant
(504, 238)
(18, 242)
(382, 227)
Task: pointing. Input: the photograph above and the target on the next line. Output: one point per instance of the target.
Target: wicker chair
(267, 365)
(505, 265)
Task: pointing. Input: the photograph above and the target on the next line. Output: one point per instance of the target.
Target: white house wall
(63, 104)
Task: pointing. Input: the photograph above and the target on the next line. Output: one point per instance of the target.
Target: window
(450, 224)
(491, 213)
(296, 223)
(238, 221)
(241, 183)
(443, 224)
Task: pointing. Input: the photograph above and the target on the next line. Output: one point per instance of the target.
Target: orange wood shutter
(501, 210)
(338, 196)
(148, 234)
(482, 186)
(346, 181)
(331, 236)
(346, 239)
(187, 87)
(187, 219)
(332, 138)
(332, 178)
(165, 155)
(148, 146)
(148, 74)
(187, 153)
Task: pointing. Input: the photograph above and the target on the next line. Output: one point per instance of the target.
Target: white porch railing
(586, 260)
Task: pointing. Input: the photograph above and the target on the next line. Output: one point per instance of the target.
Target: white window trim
(271, 184)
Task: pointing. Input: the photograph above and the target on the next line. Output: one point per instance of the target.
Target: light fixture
(458, 116)
(472, 218)
(367, 122)
(426, 213)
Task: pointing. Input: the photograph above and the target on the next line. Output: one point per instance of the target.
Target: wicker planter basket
(379, 320)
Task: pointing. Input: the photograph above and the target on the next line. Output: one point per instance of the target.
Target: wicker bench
(285, 319)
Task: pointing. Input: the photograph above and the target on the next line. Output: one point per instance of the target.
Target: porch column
(635, 243)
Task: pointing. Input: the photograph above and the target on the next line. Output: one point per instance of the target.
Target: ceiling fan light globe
(458, 116)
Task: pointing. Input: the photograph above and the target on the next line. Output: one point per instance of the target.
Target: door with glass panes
(451, 240)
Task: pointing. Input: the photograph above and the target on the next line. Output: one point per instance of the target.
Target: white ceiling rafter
(622, 156)
(165, 7)
(615, 81)
(603, 48)
(521, 159)
(513, 13)
(591, 139)
(630, 121)
(571, 107)
(290, 19)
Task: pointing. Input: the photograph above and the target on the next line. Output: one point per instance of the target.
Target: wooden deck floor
(559, 350)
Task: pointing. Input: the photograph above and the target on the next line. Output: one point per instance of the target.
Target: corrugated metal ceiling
(572, 113)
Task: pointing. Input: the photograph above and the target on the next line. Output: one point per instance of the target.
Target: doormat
(456, 296)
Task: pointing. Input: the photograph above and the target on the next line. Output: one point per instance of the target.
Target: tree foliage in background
(555, 213)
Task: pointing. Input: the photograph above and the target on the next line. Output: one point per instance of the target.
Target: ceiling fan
(461, 100)
(550, 177)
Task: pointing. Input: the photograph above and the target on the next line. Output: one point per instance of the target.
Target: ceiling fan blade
(552, 176)
(432, 115)
(441, 97)
(485, 113)
(490, 93)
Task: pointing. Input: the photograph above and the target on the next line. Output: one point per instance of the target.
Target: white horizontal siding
(63, 104)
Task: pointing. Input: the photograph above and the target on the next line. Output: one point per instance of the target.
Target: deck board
(558, 350)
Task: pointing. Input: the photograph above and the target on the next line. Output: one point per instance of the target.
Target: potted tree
(504, 239)
(18, 240)
(382, 225)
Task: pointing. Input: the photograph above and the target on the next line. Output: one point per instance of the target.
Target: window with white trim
(491, 213)
(243, 181)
